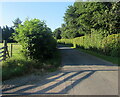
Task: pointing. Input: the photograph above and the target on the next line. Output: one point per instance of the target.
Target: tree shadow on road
(53, 84)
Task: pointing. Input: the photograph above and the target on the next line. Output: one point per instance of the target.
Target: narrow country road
(80, 74)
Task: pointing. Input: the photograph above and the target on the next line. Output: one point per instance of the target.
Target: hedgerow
(110, 45)
(65, 41)
(107, 45)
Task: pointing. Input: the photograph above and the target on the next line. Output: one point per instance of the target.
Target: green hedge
(65, 41)
(110, 45)
(90, 41)
(107, 45)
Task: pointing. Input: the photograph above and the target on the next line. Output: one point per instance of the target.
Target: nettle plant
(36, 39)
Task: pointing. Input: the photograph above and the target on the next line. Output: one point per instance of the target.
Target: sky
(51, 12)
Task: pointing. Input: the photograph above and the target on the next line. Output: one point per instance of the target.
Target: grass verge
(18, 65)
(111, 59)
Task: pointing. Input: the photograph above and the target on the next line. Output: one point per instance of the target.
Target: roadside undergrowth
(18, 66)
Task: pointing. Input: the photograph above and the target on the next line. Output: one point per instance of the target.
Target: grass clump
(15, 67)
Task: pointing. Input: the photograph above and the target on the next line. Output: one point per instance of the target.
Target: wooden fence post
(5, 49)
(0, 35)
(11, 46)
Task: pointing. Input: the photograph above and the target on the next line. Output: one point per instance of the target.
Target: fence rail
(4, 54)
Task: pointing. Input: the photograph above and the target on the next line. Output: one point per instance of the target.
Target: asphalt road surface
(80, 74)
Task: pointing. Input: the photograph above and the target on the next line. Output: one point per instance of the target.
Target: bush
(36, 40)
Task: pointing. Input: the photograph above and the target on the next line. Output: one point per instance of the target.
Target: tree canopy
(57, 33)
(88, 17)
(16, 22)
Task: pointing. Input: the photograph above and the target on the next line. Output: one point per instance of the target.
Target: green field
(16, 48)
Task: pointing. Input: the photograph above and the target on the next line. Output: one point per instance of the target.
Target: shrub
(36, 40)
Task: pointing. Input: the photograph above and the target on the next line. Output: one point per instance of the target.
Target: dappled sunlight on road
(78, 67)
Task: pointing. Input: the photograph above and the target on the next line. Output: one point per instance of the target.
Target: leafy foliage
(108, 45)
(65, 41)
(57, 33)
(96, 23)
(36, 40)
(85, 17)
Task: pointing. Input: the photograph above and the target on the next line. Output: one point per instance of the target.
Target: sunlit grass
(16, 48)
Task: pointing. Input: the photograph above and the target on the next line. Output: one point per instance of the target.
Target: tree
(70, 19)
(57, 33)
(16, 22)
(115, 18)
(99, 16)
(36, 40)
(7, 33)
(91, 17)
